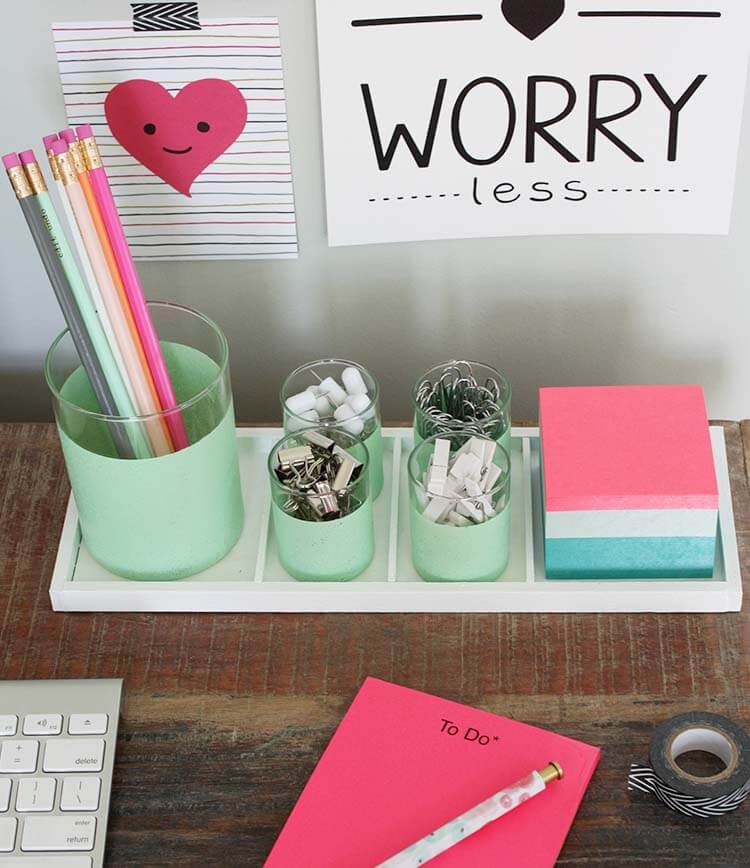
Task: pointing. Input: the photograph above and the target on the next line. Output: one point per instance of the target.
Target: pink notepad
(396, 769)
(626, 447)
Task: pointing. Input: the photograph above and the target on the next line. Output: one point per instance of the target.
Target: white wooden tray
(251, 579)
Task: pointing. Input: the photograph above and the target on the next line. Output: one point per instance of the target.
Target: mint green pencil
(90, 319)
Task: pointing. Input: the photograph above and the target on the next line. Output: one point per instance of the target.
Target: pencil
(129, 275)
(45, 231)
(129, 407)
(460, 828)
(106, 298)
(117, 304)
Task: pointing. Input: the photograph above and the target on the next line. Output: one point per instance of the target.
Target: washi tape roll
(689, 794)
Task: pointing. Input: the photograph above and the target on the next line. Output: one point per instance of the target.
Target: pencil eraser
(59, 147)
(10, 161)
(68, 135)
(52, 137)
(27, 157)
(85, 131)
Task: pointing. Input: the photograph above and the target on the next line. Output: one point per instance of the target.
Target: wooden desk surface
(224, 716)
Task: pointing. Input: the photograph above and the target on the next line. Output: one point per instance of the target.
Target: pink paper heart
(176, 137)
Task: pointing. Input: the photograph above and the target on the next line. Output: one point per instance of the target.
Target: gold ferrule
(91, 153)
(67, 172)
(53, 165)
(76, 155)
(551, 772)
(20, 182)
(36, 179)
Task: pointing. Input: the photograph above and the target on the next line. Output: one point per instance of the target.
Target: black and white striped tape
(645, 780)
(165, 16)
(688, 794)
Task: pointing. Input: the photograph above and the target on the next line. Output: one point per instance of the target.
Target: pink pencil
(132, 284)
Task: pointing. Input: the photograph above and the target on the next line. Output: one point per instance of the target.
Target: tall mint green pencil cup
(463, 533)
(457, 396)
(342, 394)
(321, 505)
(173, 514)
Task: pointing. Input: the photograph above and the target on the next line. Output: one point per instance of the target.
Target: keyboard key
(44, 834)
(8, 724)
(36, 794)
(88, 724)
(4, 794)
(7, 834)
(19, 757)
(74, 755)
(80, 794)
(45, 861)
(42, 724)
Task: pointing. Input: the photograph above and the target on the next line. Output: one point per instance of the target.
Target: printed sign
(486, 118)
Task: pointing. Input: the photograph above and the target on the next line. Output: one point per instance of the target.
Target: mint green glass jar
(457, 396)
(364, 423)
(156, 518)
(336, 550)
(444, 552)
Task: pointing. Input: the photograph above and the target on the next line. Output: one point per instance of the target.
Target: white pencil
(473, 820)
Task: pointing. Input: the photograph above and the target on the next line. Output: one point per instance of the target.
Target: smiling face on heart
(176, 137)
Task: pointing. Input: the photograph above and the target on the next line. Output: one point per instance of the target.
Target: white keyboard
(57, 750)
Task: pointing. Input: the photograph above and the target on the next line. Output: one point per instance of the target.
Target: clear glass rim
(161, 414)
(430, 441)
(505, 384)
(347, 364)
(325, 430)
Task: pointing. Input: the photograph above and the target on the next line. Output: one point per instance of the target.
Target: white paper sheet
(490, 52)
(242, 205)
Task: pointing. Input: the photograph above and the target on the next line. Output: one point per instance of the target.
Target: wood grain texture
(224, 716)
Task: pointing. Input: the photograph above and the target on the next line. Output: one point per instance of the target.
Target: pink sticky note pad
(626, 447)
(393, 772)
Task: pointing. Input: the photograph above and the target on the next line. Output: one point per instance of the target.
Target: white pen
(474, 819)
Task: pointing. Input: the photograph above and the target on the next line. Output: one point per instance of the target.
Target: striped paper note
(242, 205)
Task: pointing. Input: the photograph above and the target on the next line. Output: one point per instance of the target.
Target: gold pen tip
(551, 772)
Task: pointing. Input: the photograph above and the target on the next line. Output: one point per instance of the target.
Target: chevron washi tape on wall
(165, 16)
(629, 484)
(686, 793)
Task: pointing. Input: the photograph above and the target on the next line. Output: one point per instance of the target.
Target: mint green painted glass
(159, 518)
(495, 426)
(445, 553)
(365, 425)
(374, 444)
(94, 327)
(324, 551)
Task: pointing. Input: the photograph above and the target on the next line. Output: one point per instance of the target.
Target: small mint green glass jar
(443, 398)
(443, 552)
(364, 423)
(155, 518)
(336, 550)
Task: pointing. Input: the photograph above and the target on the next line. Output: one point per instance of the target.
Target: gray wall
(568, 310)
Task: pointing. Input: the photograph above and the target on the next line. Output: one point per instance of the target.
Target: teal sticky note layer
(630, 558)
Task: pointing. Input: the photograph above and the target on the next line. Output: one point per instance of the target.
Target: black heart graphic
(532, 17)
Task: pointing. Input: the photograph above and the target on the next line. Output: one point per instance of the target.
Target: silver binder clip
(348, 470)
(324, 502)
(318, 439)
